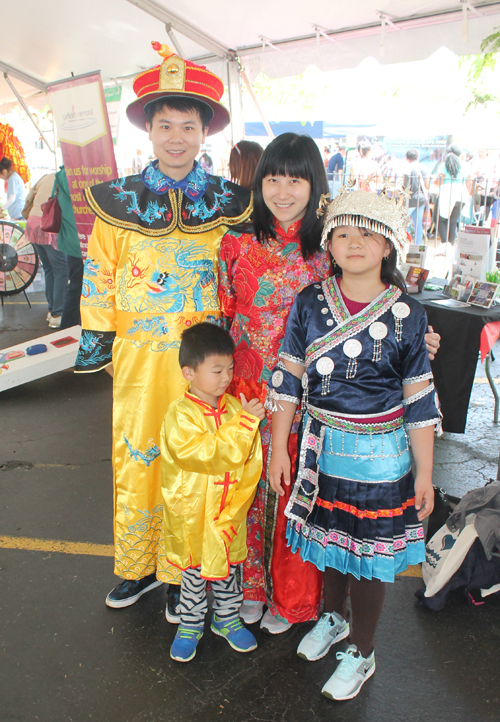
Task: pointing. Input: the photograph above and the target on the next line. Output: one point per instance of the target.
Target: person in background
(207, 163)
(54, 262)
(243, 161)
(365, 171)
(16, 192)
(326, 155)
(454, 193)
(69, 244)
(137, 163)
(416, 181)
(335, 170)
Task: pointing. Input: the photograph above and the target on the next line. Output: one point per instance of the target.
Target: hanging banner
(86, 143)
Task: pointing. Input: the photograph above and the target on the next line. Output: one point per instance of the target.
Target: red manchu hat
(181, 78)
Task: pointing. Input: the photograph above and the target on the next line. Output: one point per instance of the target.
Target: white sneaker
(350, 675)
(55, 321)
(274, 624)
(328, 630)
(251, 611)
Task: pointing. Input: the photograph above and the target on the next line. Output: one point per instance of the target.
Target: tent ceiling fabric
(60, 37)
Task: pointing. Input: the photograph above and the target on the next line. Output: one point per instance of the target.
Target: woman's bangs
(286, 162)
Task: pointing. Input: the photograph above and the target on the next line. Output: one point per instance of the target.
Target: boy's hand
(279, 468)
(424, 497)
(253, 406)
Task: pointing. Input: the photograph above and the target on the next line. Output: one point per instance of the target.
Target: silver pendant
(400, 310)
(277, 378)
(352, 349)
(324, 367)
(377, 331)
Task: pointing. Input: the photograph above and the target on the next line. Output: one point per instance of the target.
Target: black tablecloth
(455, 363)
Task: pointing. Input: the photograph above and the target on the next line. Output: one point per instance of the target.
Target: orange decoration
(10, 147)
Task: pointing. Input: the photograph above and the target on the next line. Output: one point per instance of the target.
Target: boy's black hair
(5, 164)
(183, 105)
(297, 156)
(412, 154)
(203, 340)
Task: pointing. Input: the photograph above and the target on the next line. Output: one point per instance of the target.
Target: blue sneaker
(235, 632)
(186, 640)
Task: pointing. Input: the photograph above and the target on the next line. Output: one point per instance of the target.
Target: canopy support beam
(206, 41)
(8, 81)
(23, 77)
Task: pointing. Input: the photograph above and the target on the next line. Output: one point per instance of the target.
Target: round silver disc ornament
(352, 348)
(321, 297)
(329, 322)
(324, 310)
(324, 366)
(378, 330)
(305, 380)
(400, 310)
(277, 378)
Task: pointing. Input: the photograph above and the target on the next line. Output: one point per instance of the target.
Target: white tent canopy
(45, 42)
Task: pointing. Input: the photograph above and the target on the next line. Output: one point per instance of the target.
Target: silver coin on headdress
(324, 366)
(352, 348)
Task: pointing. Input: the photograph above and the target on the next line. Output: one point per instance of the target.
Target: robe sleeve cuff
(282, 386)
(95, 351)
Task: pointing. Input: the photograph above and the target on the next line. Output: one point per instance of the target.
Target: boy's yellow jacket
(211, 465)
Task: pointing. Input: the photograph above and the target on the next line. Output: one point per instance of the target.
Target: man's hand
(254, 406)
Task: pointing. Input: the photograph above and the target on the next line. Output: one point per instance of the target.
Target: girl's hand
(279, 468)
(424, 497)
(432, 341)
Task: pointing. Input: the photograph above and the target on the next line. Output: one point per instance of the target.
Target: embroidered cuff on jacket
(282, 386)
(416, 379)
(95, 351)
(422, 409)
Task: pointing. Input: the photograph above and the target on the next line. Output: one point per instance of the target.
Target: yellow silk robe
(211, 461)
(143, 285)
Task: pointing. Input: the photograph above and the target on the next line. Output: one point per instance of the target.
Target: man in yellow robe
(150, 273)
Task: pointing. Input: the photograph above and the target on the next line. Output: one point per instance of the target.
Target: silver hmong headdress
(367, 210)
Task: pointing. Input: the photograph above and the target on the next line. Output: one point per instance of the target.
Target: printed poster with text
(84, 133)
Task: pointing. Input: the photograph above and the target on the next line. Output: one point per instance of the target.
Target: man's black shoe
(130, 590)
(172, 611)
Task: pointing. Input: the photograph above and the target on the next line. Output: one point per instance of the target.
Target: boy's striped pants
(228, 596)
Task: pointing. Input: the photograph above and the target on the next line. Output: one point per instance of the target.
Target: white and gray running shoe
(329, 629)
(350, 675)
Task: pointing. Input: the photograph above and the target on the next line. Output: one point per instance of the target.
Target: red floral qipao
(257, 286)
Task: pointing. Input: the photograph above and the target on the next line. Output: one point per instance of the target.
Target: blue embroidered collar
(194, 185)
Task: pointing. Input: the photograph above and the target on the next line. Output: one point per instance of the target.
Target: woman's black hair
(452, 160)
(389, 272)
(297, 156)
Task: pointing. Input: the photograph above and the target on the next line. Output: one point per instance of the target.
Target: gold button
(173, 69)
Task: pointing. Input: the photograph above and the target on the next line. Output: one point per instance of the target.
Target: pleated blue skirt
(364, 520)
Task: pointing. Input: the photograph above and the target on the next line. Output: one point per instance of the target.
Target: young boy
(211, 460)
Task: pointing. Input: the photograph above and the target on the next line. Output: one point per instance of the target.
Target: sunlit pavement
(66, 656)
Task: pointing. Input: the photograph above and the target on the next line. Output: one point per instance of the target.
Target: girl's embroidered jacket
(362, 379)
(211, 465)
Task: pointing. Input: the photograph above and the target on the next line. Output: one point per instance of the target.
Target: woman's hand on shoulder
(279, 469)
(433, 342)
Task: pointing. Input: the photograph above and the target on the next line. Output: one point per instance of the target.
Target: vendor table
(464, 332)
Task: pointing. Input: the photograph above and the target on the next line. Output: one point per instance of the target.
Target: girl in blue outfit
(354, 355)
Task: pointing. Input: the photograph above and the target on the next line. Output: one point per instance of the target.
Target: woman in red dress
(259, 277)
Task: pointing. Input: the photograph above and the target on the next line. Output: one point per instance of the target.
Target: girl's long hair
(297, 156)
(243, 161)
